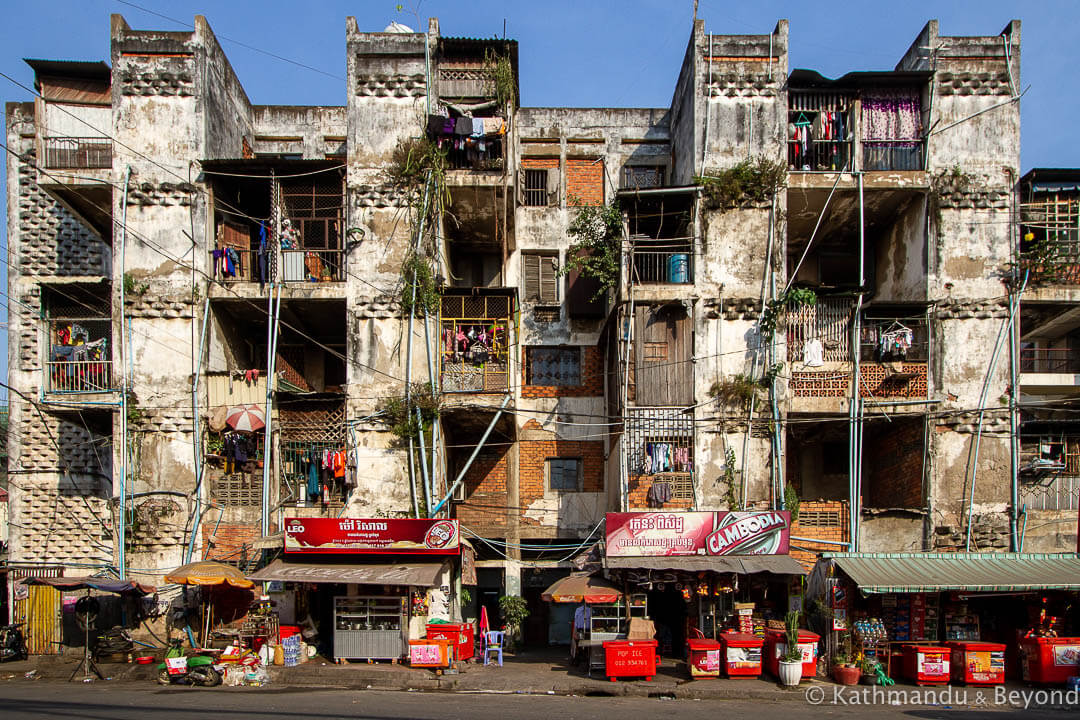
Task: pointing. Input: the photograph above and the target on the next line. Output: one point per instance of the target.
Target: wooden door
(663, 344)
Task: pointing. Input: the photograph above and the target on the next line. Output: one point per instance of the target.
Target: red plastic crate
(630, 658)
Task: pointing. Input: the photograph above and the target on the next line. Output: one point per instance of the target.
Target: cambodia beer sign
(637, 534)
(371, 535)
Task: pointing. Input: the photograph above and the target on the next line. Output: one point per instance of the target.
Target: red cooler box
(704, 657)
(977, 663)
(926, 664)
(460, 633)
(1049, 661)
(775, 648)
(742, 654)
(630, 658)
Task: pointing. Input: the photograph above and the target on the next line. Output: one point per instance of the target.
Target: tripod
(85, 616)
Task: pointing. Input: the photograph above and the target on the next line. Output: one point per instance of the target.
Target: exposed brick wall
(894, 465)
(638, 494)
(584, 181)
(592, 379)
(876, 381)
(806, 552)
(485, 508)
(531, 471)
(230, 541)
(539, 163)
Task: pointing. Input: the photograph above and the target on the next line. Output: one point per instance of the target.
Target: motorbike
(179, 669)
(12, 642)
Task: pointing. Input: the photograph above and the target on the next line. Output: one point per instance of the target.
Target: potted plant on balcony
(791, 660)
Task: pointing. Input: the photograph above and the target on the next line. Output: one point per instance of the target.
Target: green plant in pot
(791, 661)
(514, 611)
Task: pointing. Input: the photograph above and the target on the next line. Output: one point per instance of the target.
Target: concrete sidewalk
(540, 672)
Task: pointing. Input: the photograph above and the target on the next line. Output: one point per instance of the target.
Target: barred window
(564, 474)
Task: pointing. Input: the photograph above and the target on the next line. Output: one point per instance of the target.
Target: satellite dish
(396, 27)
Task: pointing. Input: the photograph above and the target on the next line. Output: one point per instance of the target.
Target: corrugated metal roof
(982, 572)
(97, 69)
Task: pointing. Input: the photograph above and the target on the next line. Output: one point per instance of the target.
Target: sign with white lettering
(371, 535)
(642, 534)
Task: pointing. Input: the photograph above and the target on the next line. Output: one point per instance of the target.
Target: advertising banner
(643, 534)
(371, 535)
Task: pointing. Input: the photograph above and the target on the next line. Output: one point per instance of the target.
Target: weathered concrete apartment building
(174, 248)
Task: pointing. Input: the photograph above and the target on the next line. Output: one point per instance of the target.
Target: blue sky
(572, 53)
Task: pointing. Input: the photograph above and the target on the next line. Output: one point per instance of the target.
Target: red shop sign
(371, 535)
(641, 534)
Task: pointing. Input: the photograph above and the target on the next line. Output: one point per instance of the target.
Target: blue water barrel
(679, 268)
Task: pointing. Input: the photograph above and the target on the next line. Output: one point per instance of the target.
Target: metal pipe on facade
(476, 451)
(423, 463)
(124, 350)
(1014, 429)
(196, 433)
(998, 344)
(409, 344)
(855, 433)
(271, 369)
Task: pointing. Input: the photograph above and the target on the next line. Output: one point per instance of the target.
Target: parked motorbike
(178, 669)
(12, 642)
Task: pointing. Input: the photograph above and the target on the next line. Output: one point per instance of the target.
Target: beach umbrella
(245, 418)
(579, 587)
(208, 572)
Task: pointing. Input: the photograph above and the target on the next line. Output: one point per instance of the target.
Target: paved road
(44, 699)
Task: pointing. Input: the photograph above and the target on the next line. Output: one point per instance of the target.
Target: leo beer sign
(371, 535)
(638, 534)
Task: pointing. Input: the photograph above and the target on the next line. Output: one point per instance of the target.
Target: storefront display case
(368, 627)
(608, 622)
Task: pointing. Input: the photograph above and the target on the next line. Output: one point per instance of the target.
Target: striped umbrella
(245, 418)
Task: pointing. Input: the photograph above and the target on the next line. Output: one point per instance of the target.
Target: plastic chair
(493, 645)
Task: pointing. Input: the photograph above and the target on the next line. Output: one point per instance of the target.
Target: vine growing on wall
(400, 417)
(500, 71)
(595, 252)
(747, 182)
(729, 479)
(775, 309)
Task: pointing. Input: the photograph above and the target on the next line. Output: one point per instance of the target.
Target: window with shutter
(564, 474)
(541, 282)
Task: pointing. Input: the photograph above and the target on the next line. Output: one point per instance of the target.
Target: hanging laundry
(813, 353)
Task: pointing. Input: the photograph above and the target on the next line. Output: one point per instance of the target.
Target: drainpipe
(271, 369)
(1014, 429)
(476, 451)
(423, 463)
(408, 348)
(855, 411)
(124, 349)
(197, 433)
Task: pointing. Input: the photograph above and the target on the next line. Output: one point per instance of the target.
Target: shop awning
(976, 572)
(741, 564)
(120, 587)
(420, 574)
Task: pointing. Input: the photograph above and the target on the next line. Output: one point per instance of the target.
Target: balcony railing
(674, 266)
(826, 321)
(238, 265)
(880, 155)
(313, 265)
(819, 155)
(1049, 360)
(78, 152)
(78, 376)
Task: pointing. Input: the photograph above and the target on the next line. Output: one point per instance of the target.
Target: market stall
(603, 614)
(364, 589)
(226, 593)
(704, 573)
(86, 609)
(975, 618)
